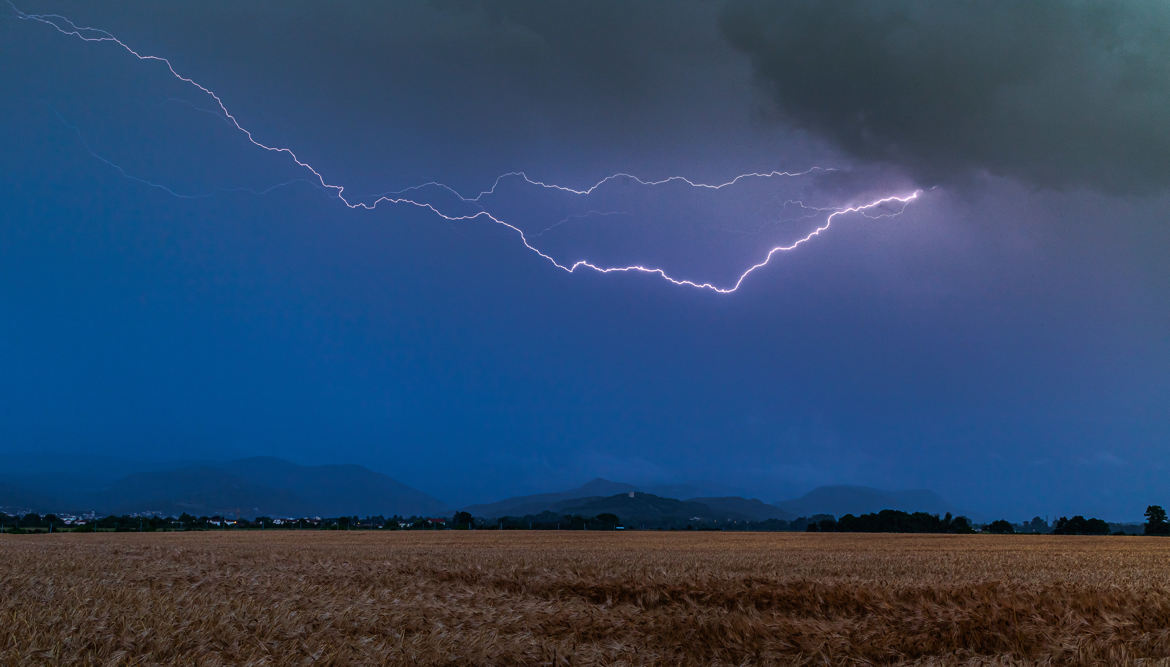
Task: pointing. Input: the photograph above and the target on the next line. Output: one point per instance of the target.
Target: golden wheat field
(454, 597)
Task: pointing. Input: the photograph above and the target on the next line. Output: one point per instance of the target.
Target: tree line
(894, 521)
(885, 521)
(47, 523)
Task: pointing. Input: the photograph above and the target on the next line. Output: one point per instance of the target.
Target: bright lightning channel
(67, 27)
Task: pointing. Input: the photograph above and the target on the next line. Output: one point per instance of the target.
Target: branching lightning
(578, 216)
(166, 188)
(875, 209)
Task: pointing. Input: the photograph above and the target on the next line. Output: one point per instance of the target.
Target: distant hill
(537, 503)
(62, 481)
(266, 486)
(840, 500)
(749, 508)
(611, 496)
(15, 497)
(682, 491)
(634, 508)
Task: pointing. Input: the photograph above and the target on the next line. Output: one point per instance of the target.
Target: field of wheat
(455, 597)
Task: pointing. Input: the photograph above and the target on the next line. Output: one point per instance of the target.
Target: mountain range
(275, 487)
(634, 502)
(540, 502)
(841, 499)
(245, 487)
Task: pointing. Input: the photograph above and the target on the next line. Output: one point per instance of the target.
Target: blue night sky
(1005, 341)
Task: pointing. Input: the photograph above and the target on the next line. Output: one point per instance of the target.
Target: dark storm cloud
(1055, 94)
(646, 86)
(607, 46)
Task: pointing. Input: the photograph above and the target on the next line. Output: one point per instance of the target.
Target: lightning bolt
(579, 216)
(159, 186)
(875, 209)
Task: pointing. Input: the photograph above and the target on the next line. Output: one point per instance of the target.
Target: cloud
(1053, 94)
(607, 46)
